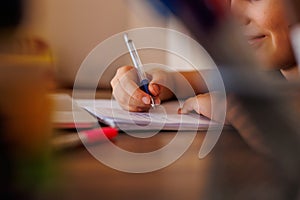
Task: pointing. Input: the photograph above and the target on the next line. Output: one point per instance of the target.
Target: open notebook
(163, 117)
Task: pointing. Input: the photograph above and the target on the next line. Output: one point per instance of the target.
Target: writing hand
(128, 94)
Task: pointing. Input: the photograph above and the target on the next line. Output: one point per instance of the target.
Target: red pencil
(86, 137)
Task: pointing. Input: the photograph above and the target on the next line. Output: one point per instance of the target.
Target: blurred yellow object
(26, 77)
(24, 106)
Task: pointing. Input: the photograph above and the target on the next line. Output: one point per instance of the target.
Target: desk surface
(231, 171)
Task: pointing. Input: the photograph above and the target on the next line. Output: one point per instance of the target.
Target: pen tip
(152, 103)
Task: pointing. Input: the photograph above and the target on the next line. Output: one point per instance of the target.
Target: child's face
(266, 28)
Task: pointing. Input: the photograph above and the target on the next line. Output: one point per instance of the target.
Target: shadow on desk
(231, 171)
(240, 173)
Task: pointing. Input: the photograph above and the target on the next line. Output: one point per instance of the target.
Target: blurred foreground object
(25, 113)
(25, 109)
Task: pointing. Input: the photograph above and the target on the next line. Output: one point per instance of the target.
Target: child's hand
(128, 94)
(202, 104)
(236, 115)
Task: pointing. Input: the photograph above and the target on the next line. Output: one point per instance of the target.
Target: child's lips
(255, 39)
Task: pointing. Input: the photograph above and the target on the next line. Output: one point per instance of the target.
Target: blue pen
(144, 82)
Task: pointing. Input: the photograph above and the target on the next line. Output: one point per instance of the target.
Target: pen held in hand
(144, 82)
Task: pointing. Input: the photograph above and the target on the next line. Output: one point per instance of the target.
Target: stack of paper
(65, 110)
(163, 117)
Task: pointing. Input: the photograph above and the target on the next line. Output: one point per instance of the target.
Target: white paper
(163, 117)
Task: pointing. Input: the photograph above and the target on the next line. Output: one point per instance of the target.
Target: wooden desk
(231, 171)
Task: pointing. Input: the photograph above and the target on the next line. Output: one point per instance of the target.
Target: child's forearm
(190, 83)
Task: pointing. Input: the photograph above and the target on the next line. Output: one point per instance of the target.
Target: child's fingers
(154, 89)
(189, 105)
(158, 80)
(200, 104)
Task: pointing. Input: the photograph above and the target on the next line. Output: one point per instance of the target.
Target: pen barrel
(144, 85)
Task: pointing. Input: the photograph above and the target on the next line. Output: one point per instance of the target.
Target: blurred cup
(25, 114)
